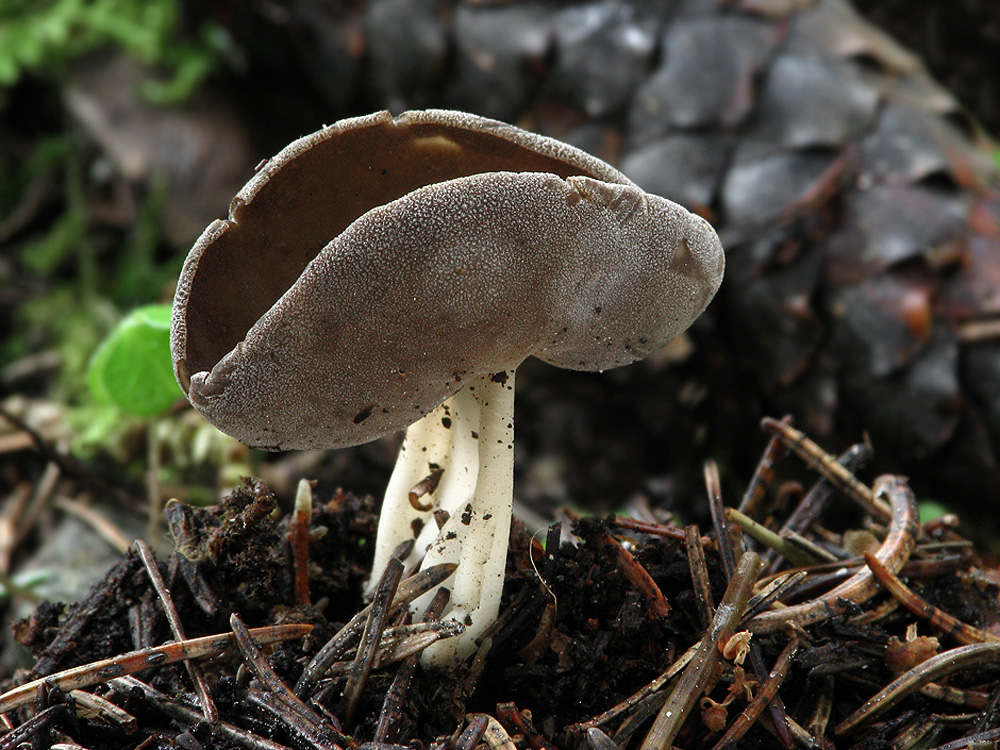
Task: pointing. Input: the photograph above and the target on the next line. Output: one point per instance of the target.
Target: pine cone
(857, 201)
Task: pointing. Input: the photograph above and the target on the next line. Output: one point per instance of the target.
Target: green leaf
(132, 369)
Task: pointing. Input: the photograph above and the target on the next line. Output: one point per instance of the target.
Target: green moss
(68, 323)
(45, 36)
(74, 265)
(86, 274)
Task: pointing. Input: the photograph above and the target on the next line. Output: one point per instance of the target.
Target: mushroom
(392, 272)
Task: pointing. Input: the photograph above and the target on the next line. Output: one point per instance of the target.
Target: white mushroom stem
(471, 437)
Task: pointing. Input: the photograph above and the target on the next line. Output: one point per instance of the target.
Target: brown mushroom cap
(459, 248)
(308, 194)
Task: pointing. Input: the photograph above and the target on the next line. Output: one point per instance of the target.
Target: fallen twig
(899, 542)
(766, 693)
(691, 684)
(960, 631)
(392, 703)
(253, 657)
(911, 681)
(828, 466)
(136, 661)
(184, 715)
(763, 475)
(417, 584)
(378, 616)
(174, 620)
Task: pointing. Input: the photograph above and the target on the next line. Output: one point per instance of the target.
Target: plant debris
(610, 640)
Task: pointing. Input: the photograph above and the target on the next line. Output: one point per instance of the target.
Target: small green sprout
(931, 510)
(23, 585)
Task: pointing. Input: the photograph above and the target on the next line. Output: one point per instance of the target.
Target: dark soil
(578, 634)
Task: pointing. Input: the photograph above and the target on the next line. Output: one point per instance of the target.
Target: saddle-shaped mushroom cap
(389, 273)
(371, 268)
